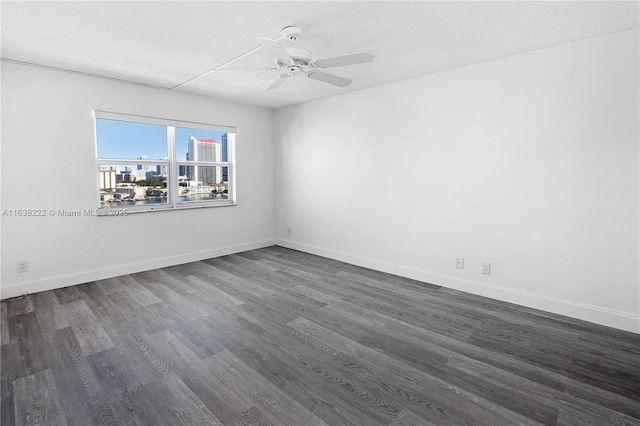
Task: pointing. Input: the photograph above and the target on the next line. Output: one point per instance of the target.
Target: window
(149, 164)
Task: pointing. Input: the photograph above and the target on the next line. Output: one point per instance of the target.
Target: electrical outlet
(486, 268)
(23, 266)
(460, 262)
(288, 231)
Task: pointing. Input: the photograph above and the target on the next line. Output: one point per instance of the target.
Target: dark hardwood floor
(275, 336)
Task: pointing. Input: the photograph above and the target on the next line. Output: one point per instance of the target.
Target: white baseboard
(130, 268)
(599, 315)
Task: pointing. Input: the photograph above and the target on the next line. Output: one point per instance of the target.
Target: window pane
(203, 184)
(129, 140)
(201, 145)
(127, 185)
(136, 168)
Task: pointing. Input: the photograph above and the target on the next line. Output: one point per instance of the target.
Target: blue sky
(124, 139)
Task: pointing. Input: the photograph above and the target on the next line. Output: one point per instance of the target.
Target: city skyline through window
(156, 164)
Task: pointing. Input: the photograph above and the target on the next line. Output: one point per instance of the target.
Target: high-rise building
(225, 157)
(183, 171)
(143, 166)
(204, 150)
(107, 178)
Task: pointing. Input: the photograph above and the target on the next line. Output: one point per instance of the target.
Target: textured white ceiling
(165, 44)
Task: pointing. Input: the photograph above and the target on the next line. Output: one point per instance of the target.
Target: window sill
(115, 211)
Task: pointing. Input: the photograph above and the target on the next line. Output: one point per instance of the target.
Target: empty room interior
(320, 213)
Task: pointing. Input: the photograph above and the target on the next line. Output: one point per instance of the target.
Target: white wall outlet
(486, 268)
(23, 266)
(288, 231)
(460, 262)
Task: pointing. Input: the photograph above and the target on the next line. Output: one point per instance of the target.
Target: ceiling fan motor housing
(301, 57)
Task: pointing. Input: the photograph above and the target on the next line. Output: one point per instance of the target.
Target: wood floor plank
(212, 291)
(275, 336)
(67, 294)
(522, 388)
(10, 372)
(193, 371)
(302, 261)
(253, 416)
(111, 285)
(230, 266)
(278, 405)
(140, 294)
(590, 416)
(168, 280)
(199, 336)
(133, 345)
(122, 307)
(179, 303)
(175, 283)
(333, 407)
(80, 393)
(20, 305)
(178, 404)
(228, 283)
(37, 401)
(87, 328)
(407, 418)
(95, 298)
(277, 280)
(402, 292)
(30, 353)
(49, 314)
(557, 356)
(246, 340)
(4, 324)
(117, 380)
(246, 284)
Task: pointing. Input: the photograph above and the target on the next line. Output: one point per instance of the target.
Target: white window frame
(171, 163)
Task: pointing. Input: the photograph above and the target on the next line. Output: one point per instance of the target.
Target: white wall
(530, 162)
(48, 162)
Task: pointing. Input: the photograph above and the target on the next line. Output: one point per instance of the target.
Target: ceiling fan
(295, 60)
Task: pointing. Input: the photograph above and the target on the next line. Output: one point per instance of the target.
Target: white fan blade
(329, 78)
(247, 69)
(276, 50)
(279, 82)
(338, 61)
